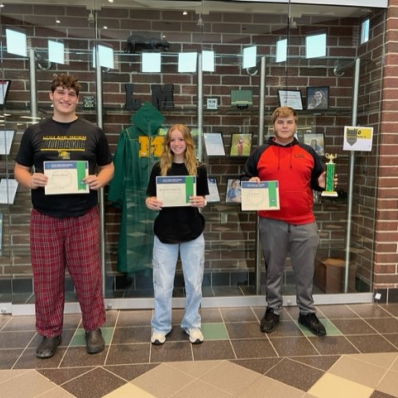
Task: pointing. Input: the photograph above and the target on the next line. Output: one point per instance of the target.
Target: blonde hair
(283, 111)
(166, 158)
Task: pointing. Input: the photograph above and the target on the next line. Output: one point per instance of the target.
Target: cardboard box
(330, 275)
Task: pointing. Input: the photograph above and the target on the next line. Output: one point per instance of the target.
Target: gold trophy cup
(330, 172)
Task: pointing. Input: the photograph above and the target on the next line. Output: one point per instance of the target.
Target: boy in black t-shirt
(64, 227)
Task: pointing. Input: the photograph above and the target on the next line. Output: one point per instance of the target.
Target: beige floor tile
(28, 385)
(57, 392)
(331, 386)
(395, 365)
(194, 369)
(199, 389)
(10, 374)
(163, 381)
(389, 384)
(129, 390)
(360, 372)
(230, 377)
(384, 360)
(265, 387)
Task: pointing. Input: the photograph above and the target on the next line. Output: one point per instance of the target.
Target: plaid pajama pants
(57, 244)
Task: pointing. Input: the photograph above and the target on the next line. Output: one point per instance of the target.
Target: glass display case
(212, 92)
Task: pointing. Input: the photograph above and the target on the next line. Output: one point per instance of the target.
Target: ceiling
(208, 6)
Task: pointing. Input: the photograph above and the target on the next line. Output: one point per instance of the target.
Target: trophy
(330, 171)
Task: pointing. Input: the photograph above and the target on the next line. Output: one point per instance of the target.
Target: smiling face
(65, 101)
(284, 120)
(318, 96)
(284, 129)
(177, 145)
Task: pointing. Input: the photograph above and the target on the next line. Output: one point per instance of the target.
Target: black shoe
(269, 321)
(312, 323)
(95, 343)
(48, 346)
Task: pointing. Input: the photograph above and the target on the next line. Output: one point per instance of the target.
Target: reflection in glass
(208, 61)
(151, 63)
(56, 52)
(187, 62)
(249, 57)
(365, 31)
(105, 56)
(281, 50)
(315, 46)
(16, 42)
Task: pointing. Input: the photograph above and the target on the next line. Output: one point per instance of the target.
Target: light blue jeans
(165, 256)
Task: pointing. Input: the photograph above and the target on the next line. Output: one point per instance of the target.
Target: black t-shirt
(179, 224)
(53, 141)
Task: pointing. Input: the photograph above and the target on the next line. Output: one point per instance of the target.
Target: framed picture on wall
(241, 144)
(242, 99)
(316, 140)
(300, 131)
(214, 144)
(318, 98)
(233, 193)
(291, 98)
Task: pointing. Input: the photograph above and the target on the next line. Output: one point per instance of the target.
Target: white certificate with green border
(175, 191)
(66, 177)
(263, 195)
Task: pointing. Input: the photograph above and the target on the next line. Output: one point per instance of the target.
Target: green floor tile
(79, 340)
(214, 331)
(331, 330)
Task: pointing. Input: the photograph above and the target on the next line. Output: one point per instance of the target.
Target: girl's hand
(153, 203)
(198, 201)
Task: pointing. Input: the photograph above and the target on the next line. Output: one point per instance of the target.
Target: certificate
(66, 177)
(290, 98)
(262, 195)
(214, 144)
(214, 195)
(175, 191)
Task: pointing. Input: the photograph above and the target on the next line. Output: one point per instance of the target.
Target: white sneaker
(195, 335)
(158, 338)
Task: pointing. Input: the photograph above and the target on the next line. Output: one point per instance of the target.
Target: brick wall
(386, 237)
(230, 234)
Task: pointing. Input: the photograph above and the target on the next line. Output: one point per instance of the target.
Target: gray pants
(278, 239)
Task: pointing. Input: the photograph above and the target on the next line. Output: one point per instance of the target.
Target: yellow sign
(358, 138)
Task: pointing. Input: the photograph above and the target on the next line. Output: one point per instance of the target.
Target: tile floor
(358, 358)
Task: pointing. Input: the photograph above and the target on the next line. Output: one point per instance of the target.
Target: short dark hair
(65, 81)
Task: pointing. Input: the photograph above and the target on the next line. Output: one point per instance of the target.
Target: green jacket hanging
(138, 148)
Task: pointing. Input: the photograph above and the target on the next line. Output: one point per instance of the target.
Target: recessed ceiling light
(185, 13)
